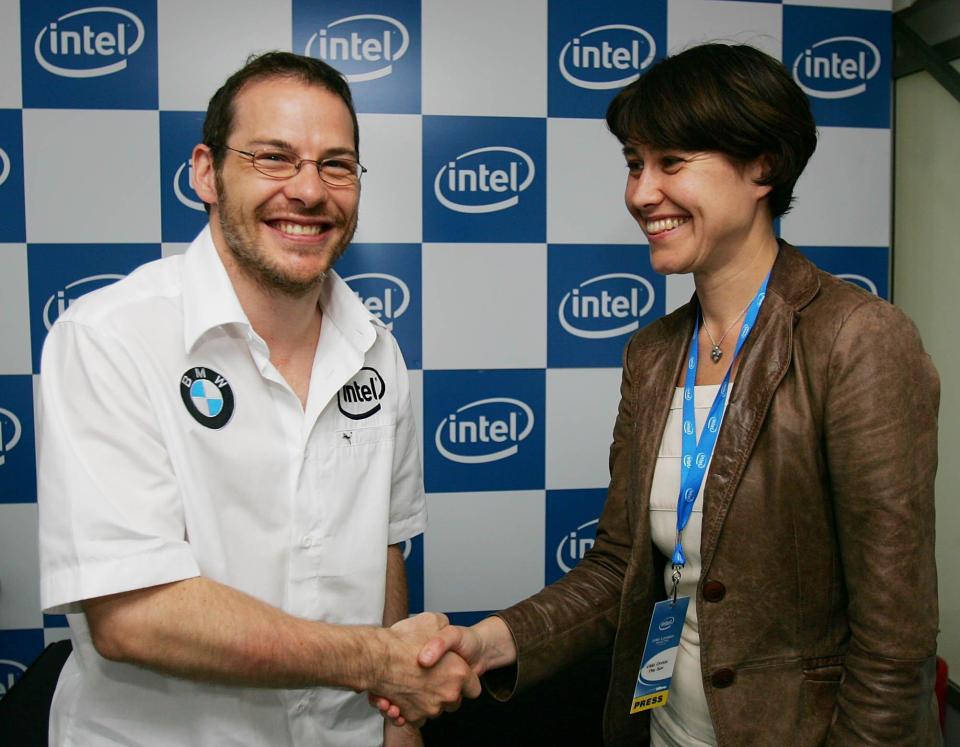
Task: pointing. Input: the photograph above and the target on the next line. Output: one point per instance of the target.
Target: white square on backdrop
(691, 22)
(581, 410)
(390, 196)
(91, 176)
(484, 306)
(171, 249)
(843, 197)
(203, 42)
(19, 560)
(10, 91)
(466, 73)
(586, 178)
(678, 291)
(15, 356)
(483, 551)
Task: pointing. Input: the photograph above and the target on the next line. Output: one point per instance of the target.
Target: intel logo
(4, 166)
(360, 397)
(666, 623)
(484, 180)
(606, 305)
(607, 57)
(384, 296)
(62, 299)
(89, 43)
(10, 672)
(181, 185)
(575, 545)
(837, 68)
(367, 40)
(861, 281)
(10, 432)
(484, 431)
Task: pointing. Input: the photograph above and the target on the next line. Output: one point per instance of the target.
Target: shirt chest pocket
(353, 467)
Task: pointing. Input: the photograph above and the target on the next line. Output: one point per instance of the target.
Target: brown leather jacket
(820, 619)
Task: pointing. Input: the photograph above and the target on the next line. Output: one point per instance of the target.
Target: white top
(148, 475)
(685, 719)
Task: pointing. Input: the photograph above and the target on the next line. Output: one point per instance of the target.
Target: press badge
(659, 654)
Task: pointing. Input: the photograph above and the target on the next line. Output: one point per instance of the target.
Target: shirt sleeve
(110, 511)
(408, 510)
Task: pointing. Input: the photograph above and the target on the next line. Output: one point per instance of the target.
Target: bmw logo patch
(207, 396)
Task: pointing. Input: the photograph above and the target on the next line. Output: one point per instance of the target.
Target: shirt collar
(209, 300)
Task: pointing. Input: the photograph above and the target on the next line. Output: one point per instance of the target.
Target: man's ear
(204, 176)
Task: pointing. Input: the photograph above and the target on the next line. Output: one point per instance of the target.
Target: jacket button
(723, 678)
(714, 591)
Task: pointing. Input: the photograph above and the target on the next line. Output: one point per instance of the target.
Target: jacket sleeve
(881, 446)
(578, 614)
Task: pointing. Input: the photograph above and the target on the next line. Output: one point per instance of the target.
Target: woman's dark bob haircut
(732, 99)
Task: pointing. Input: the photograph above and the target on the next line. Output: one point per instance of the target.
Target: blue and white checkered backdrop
(493, 237)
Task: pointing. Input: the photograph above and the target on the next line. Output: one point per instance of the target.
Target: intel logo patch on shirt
(360, 397)
(207, 396)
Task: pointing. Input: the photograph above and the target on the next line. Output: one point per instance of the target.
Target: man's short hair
(732, 99)
(220, 111)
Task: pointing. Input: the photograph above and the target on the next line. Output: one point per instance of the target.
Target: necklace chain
(716, 353)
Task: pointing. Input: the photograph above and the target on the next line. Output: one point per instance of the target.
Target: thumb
(433, 650)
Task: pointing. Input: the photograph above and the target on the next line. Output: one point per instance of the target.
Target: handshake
(430, 665)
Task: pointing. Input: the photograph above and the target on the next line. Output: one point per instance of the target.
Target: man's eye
(275, 157)
(634, 167)
(335, 165)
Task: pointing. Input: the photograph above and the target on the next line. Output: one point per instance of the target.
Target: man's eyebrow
(284, 145)
(629, 151)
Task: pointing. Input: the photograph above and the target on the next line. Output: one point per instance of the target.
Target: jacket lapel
(765, 359)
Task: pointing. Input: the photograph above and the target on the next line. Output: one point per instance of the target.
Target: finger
(434, 649)
(393, 712)
(472, 687)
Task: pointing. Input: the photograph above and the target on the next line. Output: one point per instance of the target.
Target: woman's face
(698, 209)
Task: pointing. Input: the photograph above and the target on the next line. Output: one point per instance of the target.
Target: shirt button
(723, 678)
(300, 707)
(307, 541)
(714, 591)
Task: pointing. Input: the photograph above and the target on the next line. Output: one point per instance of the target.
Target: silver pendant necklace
(716, 353)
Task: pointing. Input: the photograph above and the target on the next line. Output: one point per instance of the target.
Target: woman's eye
(634, 167)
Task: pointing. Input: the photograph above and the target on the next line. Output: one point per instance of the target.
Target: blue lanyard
(696, 454)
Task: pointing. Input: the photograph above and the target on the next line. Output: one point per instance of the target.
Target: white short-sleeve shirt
(170, 447)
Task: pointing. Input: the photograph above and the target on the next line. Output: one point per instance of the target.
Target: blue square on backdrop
(388, 280)
(55, 621)
(58, 274)
(597, 296)
(484, 179)
(841, 58)
(18, 650)
(483, 430)
(413, 559)
(572, 517)
(97, 57)
(18, 455)
(595, 49)
(182, 212)
(865, 266)
(13, 225)
(377, 50)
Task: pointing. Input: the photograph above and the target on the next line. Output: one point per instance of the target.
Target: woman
(808, 555)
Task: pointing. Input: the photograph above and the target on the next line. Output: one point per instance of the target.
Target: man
(229, 461)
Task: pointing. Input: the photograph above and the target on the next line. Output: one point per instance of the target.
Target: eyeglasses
(278, 164)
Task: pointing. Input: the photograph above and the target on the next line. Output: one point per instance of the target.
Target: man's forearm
(396, 604)
(200, 629)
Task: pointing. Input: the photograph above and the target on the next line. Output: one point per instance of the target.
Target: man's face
(286, 234)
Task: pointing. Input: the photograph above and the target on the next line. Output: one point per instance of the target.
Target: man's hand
(487, 645)
(418, 692)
